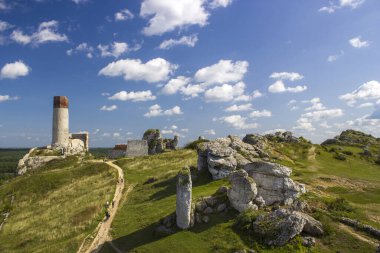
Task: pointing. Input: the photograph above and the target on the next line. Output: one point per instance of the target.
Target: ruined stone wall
(83, 137)
(137, 148)
(117, 153)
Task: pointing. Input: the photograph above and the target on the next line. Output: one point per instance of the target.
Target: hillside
(337, 188)
(55, 208)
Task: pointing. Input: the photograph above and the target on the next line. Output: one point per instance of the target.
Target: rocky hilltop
(353, 137)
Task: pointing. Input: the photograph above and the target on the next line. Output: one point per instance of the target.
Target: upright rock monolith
(183, 205)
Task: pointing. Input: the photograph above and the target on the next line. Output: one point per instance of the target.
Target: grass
(55, 207)
(8, 162)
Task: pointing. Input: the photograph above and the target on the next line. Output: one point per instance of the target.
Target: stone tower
(60, 122)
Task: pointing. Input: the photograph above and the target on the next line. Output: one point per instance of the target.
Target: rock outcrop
(273, 182)
(280, 226)
(184, 210)
(243, 191)
(224, 155)
(171, 143)
(32, 162)
(155, 141)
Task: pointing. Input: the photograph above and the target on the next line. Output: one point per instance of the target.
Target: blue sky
(189, 67)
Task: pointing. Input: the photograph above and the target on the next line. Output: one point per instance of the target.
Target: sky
(189, 67)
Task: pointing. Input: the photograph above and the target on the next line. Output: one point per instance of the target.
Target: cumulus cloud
(323, 114)
(279, 87)
(238, 122)
(156, 110)
(82, 48)
(116, 49)
(315, 104)
(133, 96)
(168, 15)
(80, 1)
(245, 98)
(366, 105)
(4, 98)
(260, 114)
(124, 14)
(335, 57)
(4, 26)
(14, 70)
(175, 85)
(210, 132)
(239, 108)
(155, 70)
(189, 41)
(339, 4)
(367, 91)
(304, 124)
(47, 32)
(291, 76)
(357, 42)
(191, 91)
(225, 71)
(225, 92)
(108, 108)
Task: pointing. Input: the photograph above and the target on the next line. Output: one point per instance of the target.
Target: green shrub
(339, 205)
(193, 145)
(244, 220)
(340, 157)
(347, 152)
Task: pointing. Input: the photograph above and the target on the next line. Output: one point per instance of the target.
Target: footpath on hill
(104, 226)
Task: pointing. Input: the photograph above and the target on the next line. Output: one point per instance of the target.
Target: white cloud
(174, 85)
(335, 57)
(4, 98)
(165, 16)
(156, 110)
(82, 48)
(353, 4)
(238, 122)
(315, 104)
(4, 6)
(239, 108)
(225, 92)
(245, 98)
(47, 32)
(124, 14)
(323, 114)
(4, 26)
(108, 108)
(219, 3)
(116, 49)
(210, 132)
(185, 130)
(366, 105)
(191, 91)
(367, 91)
(189, 41)
(275, 131)
(79, 1)
(304, 124)
(225, 71)
(133, 96)
(279, 87)
(155, 70)
(357, 42)
(14, 70)
(260, 114)
(167, 131)
(291, 76)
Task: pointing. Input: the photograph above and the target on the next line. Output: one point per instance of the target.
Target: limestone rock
(312, 226)
(208, 210)
(202, 156)
(76, 147)
(29, 162)
(242, 192)
(183, 200)
(274, 184)
(205, 219)
(155, 141)
(221, 207)
(308, 241)
(211, 201)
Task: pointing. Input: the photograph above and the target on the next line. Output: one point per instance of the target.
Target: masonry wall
(137, 148)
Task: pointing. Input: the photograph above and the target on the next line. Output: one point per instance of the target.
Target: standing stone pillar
(183, 205)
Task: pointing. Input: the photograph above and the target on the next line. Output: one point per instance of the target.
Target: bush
(245, 219)
(347, 152)
(332, 150)
(193, 145)
(339, 205)
(340, 157)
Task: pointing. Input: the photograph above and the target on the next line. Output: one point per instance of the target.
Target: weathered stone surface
(206, 219)
(76, 147)
(171, 143)
(208, 210)
(221, 167)
(221, 207)
(273, 182)
(154, 140)
(202, 156)
(243, 191)
(259, 201)
(280, 226)
(137, 148)
(183, 200)
(200, 206)
(222, 190)
(308, 241)
(29, 162)
(211, 201)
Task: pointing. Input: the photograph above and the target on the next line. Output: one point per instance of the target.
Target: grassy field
(55, 207)
(326, 177)
(8, 162)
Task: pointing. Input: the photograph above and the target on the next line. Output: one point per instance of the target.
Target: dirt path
(103, 228)
(311, 155)
(357, 235)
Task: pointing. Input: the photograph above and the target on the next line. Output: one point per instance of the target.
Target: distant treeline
(8, 161)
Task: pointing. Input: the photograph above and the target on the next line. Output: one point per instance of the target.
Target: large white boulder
(242, 192)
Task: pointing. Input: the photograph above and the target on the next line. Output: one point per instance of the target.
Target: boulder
(243, 191)
(202, 156)
(221, 207)
(155, 142)
(211, 201)
(208, 210)
(30, 162)
(76, 147)
(308, 241)
(274, 184)
(280, 226)
(183, 200)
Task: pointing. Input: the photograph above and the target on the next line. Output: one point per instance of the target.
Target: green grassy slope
(326, 177)
(55, 207)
